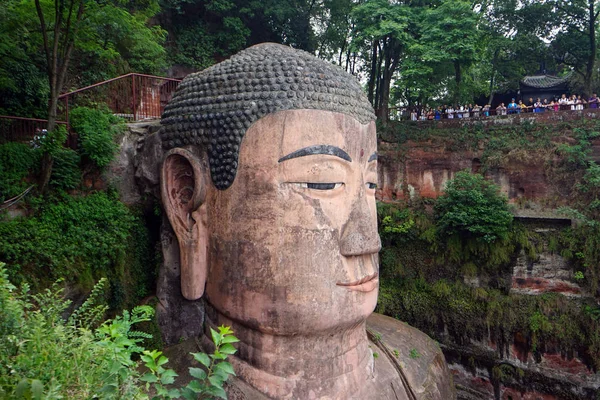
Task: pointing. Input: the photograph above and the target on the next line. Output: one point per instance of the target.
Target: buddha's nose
(359, 233)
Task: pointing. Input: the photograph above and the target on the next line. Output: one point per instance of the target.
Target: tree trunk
(391, 63)
(589, 71)
(58, 56)
(373, 75)
(457, 79)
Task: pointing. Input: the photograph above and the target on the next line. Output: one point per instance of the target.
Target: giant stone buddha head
(269, 184)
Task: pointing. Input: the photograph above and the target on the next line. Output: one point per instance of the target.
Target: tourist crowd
(573, 102)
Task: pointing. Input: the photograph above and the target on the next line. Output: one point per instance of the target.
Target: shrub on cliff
(473, 207)
(96, 129)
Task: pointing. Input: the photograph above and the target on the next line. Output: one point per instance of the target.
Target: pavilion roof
(545, 81)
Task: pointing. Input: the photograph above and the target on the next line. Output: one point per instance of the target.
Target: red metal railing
(18, 129)
(134, 97)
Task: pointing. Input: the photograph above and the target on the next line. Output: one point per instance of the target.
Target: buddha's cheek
(289, 288)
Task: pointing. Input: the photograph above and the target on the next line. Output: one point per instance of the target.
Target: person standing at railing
(513, 108)
(486, 110)
(537, 106)
(438, 113)
(579, 103)
(531, 104)
(545, 105)
(563, 102)
(501, 109)
(450, 112)
(476, 111)
(522, 107)
(555, 106)
(413, 115)
(593, 101)
(572, 100)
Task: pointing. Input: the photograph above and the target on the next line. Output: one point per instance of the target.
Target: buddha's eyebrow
(373, 157)
(318, 149)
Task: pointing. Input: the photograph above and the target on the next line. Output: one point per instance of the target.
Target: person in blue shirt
(513, 108)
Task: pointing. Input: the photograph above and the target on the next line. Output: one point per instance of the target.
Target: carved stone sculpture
(268, 182)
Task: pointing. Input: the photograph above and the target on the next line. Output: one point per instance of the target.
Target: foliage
(81, 238)
(65, 171)
(208, 382)
(42, 352)
(472, 207)
(96, 129)
(42, 355)
(482, 313)
(110, 38)
(17, 162)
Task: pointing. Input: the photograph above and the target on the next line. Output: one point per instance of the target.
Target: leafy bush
(77, 237)
(473, 207)
(17, 162)
(96, 129)
(43, 355)
(65, 171)
(40, 352)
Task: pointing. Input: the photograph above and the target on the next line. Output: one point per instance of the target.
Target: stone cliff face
(415, 166)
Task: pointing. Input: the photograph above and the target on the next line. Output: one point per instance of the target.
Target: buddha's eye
(371, 185)
(320, 186)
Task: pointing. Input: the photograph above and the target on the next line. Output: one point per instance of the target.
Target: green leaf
(216, 338)
(115, 366)
(168, 377)
(198, 373)
(216, 380)
(218, 356)
(230, 339)
(162, 360)
(202, 358)
(190, 394)
(227, 349)
(148, 377)
(21, 388)
(195, 386)
(225, 367)
(217, 391)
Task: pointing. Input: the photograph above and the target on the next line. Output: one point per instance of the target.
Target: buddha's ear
(183, 191)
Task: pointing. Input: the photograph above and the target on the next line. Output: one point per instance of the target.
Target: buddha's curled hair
(214, 108)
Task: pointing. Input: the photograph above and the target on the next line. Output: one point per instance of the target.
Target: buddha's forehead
(279, 134)
(306, 128)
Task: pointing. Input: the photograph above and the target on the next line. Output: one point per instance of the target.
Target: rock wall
(413, 169)
(135, 175)
(420, 169)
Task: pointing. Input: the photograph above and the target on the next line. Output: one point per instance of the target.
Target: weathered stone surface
(421, 170)
(418, 357)
(548, 273)
(179, 319)
(121, 173)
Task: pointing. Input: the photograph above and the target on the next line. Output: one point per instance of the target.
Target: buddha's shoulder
(416, 357)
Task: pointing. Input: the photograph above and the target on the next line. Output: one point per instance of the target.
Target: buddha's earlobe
(183, 190)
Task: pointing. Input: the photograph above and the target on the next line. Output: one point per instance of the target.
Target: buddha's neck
(331, 365)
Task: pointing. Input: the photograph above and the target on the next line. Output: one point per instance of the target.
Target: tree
(450, 30)
(113, 33)
(576, 44)
(384, 26)
(473, 207)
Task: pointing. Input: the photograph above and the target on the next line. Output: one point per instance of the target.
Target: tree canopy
(406, 52)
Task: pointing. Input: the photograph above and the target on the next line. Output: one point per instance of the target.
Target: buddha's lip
(366, 284)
